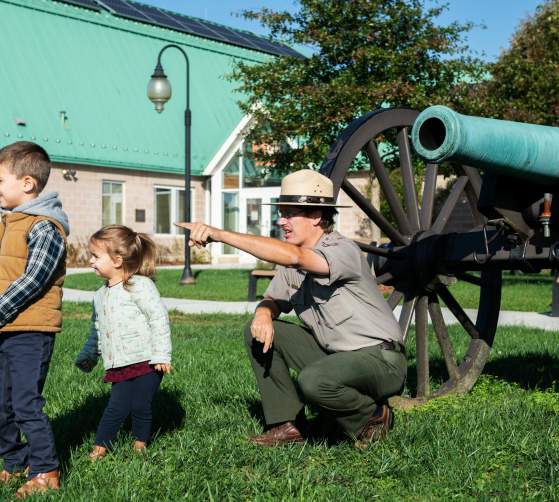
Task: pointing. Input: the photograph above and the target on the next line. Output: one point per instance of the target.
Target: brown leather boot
(42, 482)
(286, 433)
(377, 427)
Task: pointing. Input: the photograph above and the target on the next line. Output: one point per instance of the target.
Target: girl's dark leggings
(131, 397)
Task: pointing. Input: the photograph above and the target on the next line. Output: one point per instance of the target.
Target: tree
(364, 54)
(525, 79)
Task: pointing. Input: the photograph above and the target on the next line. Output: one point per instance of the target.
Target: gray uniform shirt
(345, 310)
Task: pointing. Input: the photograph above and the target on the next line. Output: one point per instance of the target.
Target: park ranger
(348, 353)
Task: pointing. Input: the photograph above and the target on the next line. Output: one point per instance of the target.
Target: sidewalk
(506, 318)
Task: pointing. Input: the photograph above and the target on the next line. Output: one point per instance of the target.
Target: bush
(77, 254)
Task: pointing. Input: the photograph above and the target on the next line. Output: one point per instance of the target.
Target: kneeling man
(348, 352)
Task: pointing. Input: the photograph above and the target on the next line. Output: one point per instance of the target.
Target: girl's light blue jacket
(129, 325)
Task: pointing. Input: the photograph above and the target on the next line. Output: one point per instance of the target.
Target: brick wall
(81, 198)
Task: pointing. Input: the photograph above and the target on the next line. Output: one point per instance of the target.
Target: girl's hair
(137, 250)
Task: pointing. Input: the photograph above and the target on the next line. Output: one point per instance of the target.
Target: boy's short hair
(25, 158)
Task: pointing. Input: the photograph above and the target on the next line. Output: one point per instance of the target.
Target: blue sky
(501, 17)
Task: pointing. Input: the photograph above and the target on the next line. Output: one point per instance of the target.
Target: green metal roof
(77, 79)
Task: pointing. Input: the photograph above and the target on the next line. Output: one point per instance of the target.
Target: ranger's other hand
(262, 329)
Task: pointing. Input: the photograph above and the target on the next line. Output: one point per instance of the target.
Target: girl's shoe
(97, 453)
(140, 446)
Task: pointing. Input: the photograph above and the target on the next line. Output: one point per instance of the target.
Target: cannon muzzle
(509, 148)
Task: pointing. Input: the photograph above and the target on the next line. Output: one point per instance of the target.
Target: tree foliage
(364, 54)
(525, 79)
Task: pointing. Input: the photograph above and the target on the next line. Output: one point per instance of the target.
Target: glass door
(254, 216)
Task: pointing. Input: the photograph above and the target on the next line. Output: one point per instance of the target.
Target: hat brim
(301, 204)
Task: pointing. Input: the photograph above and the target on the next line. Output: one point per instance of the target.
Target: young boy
(33, 230)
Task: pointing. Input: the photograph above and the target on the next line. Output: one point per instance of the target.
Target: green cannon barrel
(511, 148)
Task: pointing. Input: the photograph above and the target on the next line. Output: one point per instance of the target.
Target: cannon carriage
(508, 172)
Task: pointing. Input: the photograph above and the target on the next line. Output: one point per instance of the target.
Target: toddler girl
(129, 329)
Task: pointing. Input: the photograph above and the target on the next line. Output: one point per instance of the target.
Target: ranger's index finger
(183, 224)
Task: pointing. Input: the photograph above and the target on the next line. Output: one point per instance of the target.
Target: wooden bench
(253, 279)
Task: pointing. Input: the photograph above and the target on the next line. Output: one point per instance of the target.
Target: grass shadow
(530, 371)
(73, 428)
(168, 412)
(255, 410)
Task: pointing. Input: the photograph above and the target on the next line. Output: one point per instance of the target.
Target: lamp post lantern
(159, 92)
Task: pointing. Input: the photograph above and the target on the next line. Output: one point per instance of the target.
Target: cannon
(507, 172)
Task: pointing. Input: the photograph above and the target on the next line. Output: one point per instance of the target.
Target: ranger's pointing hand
(200, 233)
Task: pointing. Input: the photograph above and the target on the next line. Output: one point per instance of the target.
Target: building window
(255, 172)
(112, 203)
(231, 173)
(169, 208)
(230, 217)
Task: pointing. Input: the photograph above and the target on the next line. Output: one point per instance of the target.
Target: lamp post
(159, 92)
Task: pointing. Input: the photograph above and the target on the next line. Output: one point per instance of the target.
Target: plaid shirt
(46, 249)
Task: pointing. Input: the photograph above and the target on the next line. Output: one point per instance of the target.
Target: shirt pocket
(333, 309)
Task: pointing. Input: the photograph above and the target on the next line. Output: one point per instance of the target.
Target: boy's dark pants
(347, 385)
(24, 363)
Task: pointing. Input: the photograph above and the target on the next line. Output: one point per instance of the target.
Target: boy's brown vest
(42, 313)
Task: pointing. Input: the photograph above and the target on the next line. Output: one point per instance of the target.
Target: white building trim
(229, 147)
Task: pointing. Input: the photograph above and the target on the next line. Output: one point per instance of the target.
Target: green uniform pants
(346, 385)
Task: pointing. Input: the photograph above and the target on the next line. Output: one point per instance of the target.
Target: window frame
(174, 216)
(123, 210)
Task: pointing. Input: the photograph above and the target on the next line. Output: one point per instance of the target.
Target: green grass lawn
(218, 285)
(501, 440)
(525, 292)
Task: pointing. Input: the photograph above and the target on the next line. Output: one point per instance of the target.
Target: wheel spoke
(479, 219)
(376, 250)
(387, 188)
(378, 219)
(472, 279)
(458, 312)
(449, 205)
(442, 337)
(422, 347)
(406, 315)
(428, 200)
(406, 167)
(395, 298)
(474, 177)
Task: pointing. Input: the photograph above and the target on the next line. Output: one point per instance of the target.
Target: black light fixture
(159, 92)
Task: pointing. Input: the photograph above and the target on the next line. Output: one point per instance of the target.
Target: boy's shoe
(140, 447)
(97, 453)
(7, 477)
(377, 427)
(40, 483)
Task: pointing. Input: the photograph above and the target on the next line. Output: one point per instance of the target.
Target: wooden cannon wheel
(419, 286)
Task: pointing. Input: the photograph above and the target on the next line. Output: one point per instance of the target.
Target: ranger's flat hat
(306, 188)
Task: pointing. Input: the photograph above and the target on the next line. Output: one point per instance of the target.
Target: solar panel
(88, 4)
(125, 9)
(161, 18)
(192, 26)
